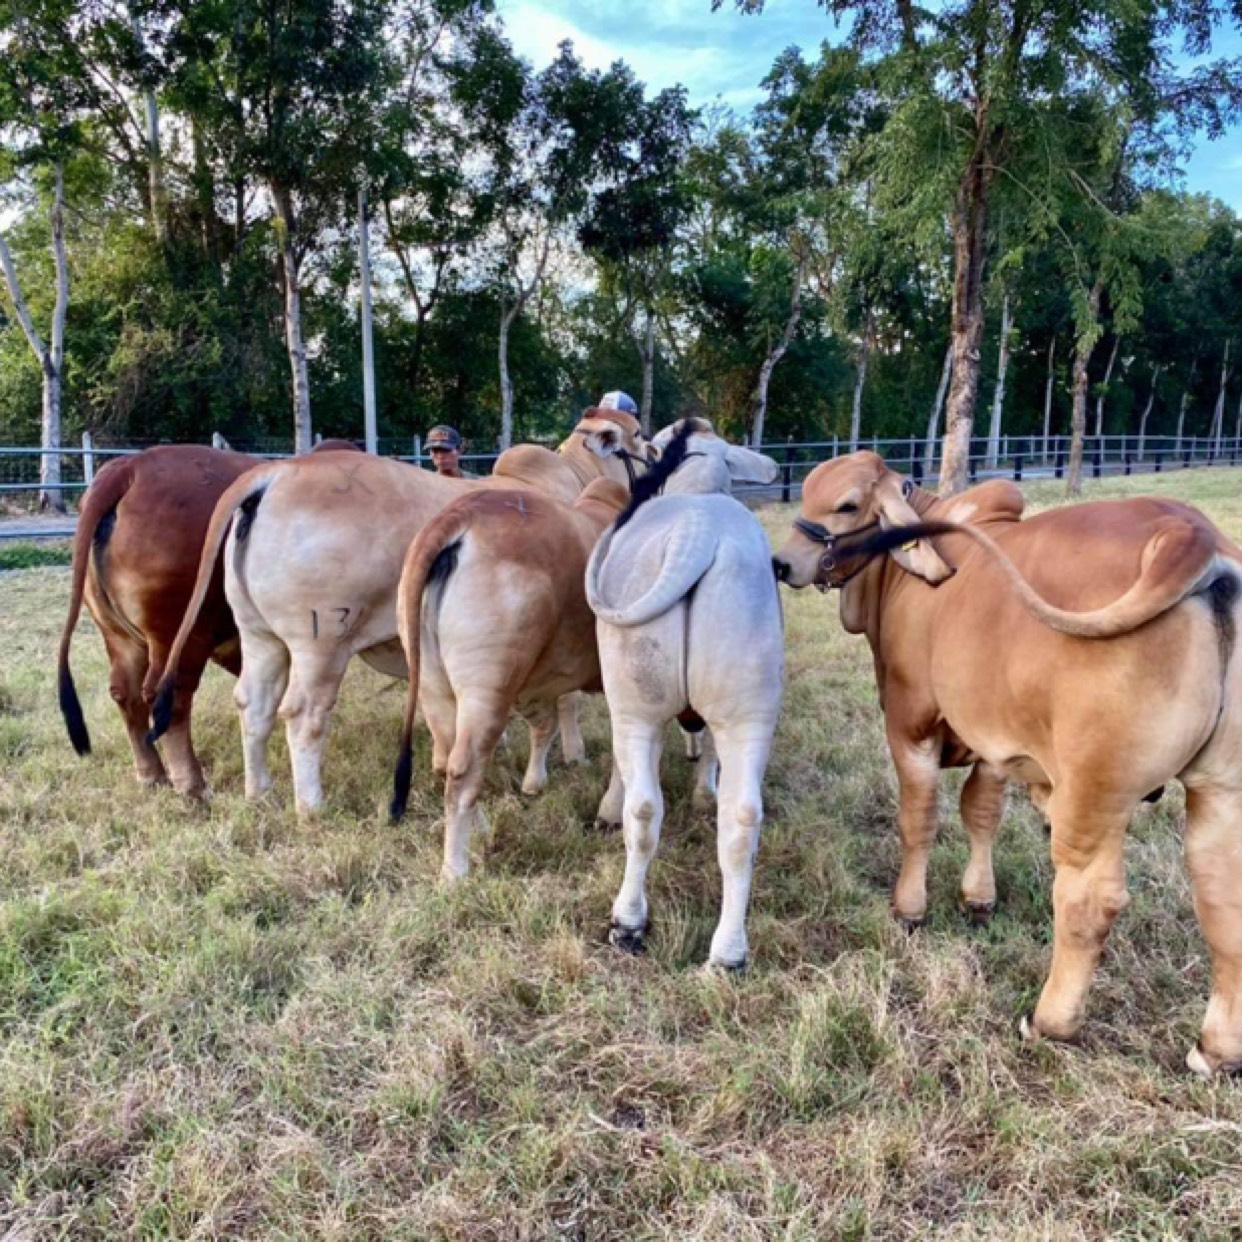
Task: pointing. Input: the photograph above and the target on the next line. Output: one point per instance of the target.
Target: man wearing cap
(444, 445)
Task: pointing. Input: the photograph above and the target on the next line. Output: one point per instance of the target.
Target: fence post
(1159, 460)
(787, 474)
(218, 441)
(836, 446)
(1125, 457)
(1017, 467)
(1058, 469)
(1098, 466)
(418, 451)
(916, 470)
(88, 458)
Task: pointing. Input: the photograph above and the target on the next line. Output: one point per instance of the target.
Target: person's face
(445, 459)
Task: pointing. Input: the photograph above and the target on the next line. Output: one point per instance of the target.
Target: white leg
(612, 804)
(259, 689)
(637, 745)
(573, 748)
(744, 756)
(542, 731)
(705, 772)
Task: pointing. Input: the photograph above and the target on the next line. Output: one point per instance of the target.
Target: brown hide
(135, 557)
(969, 674)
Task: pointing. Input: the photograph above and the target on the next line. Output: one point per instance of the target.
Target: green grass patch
(34, 555)
(218, 1021)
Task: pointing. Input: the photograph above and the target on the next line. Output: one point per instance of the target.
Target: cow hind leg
(743, 758)
(637, 746)
(264, 676)
(306, 709)
(1214, 858)
(480, 722)
(706, 770)
(542, 726)
(611, 809)
(176, 743)
(983, 804)
(128, 671)
(1087, 895)
(568, 707)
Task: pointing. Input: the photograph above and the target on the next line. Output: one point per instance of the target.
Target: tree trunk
(302, 439)
(1087, 338)
(155, 160)
(1185, 402)
(1108, 375)
(998, 397)
(1048, 387)
(769, 363)
(1151, 401)
(205, 192)
(933, 419)
(1218, 415)
(969, 259)
(368, 353)
(860, 380)
(506, 384)
(646, 352)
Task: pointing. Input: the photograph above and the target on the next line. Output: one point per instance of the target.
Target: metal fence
(1019, 458)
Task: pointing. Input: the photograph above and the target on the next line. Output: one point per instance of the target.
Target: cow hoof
(716, 966)
(1198, 1064)
(531, 790)
(1026, 1028)
(910, 925)
(607, 825)
(978, 913)
(629, 940)
(152, 782)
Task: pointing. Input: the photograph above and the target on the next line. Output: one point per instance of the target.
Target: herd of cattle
(1087, 652)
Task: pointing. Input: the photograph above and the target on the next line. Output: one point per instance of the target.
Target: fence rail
(1019, 458)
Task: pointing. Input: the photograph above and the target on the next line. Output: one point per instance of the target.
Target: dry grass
(223, 1022)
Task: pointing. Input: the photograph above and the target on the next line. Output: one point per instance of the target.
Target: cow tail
(1176, 561)
(244, 493)
(689, 554)
(101, 499)
(431, 559)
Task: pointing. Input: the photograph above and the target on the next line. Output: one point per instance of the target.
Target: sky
(724, 55)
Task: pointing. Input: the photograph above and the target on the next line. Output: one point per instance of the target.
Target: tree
(971, 81)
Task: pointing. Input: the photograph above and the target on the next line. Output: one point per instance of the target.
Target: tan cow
(493, 618)
(312, 565)
(1088, 653)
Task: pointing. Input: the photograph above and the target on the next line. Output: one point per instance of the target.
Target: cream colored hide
(688, 617)
(312, 567)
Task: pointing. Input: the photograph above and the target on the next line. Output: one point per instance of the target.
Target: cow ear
(747, 466)
(918, 557)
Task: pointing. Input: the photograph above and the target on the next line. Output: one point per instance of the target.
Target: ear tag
(909, 547)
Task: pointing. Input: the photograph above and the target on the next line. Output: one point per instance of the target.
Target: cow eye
(848, 507)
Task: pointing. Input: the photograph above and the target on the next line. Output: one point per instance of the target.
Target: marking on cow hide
(519, 505)
(646, 667)
(349, 478)
(314, 624)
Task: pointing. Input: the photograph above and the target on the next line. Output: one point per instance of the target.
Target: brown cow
(1088, 653)
(312, 567)
(135, 556)
(493, 618)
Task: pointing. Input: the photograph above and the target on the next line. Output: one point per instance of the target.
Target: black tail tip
(401, 783)
(161, 712)
(71, 710)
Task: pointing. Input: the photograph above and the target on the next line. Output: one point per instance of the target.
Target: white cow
(688, 617)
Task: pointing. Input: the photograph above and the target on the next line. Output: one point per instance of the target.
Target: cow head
(612, 433)
(712, 464)
(844, 496)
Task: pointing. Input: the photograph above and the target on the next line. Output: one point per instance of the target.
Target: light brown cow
(493, 618)
(1088, 652)
(311, 571)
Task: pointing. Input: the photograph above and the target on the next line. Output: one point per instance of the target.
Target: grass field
(221, 1022)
